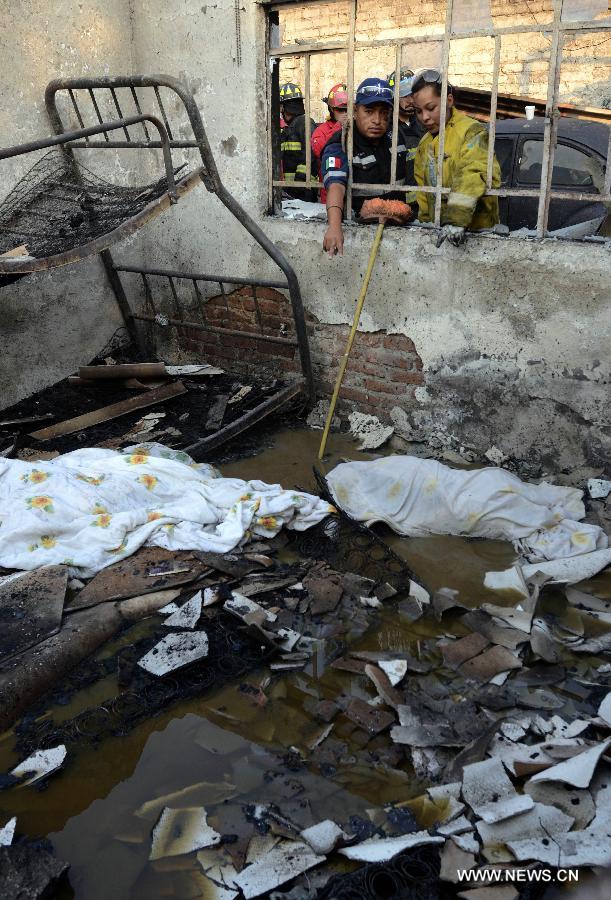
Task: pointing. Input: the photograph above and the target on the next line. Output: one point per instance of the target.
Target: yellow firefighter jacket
(464, 172)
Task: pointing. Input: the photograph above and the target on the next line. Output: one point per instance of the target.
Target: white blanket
(93, 507)
(418, 497)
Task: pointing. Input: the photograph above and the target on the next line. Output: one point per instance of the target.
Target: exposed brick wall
(585, 74)
(383, 370)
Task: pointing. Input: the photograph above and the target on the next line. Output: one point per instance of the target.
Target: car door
(576, 170)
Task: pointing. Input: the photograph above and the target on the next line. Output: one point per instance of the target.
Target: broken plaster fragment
(577, 771)
(490, 663)
(383, 849)
(324, 837)
(40, 764)
(181, 831)
(395, 670)
(7, 832)
(284, 862)
(187, 615)
(599, 488)
(574, 802)
(454, 862)
(490, 793)
(540, 821)
(369, 430)
(174, 651)
(604, 710)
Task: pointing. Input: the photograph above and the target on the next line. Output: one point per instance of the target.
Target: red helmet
(338, 97)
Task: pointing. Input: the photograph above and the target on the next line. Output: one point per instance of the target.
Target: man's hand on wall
(333, 241)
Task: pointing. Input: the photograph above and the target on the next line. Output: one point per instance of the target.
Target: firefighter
(292, 140)
(371, 158)
(410, 129)
(337, 104)
(464, 167)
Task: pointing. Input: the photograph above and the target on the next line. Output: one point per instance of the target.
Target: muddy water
(89, 809)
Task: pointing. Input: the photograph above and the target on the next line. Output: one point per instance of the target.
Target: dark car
(579, 167)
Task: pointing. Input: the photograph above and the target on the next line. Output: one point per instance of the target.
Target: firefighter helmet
(404, 74)
(337, 97)
(290, 91)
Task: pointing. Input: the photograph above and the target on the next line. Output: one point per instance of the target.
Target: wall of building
(52, 322)
(502, 342)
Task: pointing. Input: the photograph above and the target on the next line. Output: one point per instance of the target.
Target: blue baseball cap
(374, 90)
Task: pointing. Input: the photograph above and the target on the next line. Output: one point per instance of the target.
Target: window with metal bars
(501, 58)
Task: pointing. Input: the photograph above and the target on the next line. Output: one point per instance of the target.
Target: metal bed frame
(175, 189)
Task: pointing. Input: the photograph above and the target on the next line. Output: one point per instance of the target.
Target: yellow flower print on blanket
(36, 476)
(41, 501)
(98, 510)
(102, 521)
(95, 480)
(153, 516)
(139, 457)
(48, 541)
(269, 522)
(149, 481)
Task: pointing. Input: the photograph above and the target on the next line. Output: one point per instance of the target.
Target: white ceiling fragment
(577, 771)
(540, 821)
(174, 651)
(490, 793)
(394, 669)
(181, 831)
(284, 862)
(40, 764)
(7, 832)
(383, 849)
(604, 710)
(575, 802)
(187, 615)
(324, 837)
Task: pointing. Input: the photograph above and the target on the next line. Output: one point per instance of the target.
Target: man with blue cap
(371, 157)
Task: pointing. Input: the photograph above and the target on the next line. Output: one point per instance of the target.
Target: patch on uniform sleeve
(333, 162)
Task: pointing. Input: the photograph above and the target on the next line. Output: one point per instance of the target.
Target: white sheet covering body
(92, 507)
(418, 497)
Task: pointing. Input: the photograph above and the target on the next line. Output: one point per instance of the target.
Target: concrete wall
(52, 322)
(512, 336)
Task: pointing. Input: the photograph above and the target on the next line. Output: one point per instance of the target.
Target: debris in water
(187, 616)
(324, 837)
(490, 793)
(369, 430)
(383, 849)
(7, 832)
(181, 831)
(578, 771)
(282, 863)
(40, 764)
(175, 651)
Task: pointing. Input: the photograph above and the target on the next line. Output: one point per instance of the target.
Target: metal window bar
(558, 30)
(115, 100)
(75, 106)
(163, 113)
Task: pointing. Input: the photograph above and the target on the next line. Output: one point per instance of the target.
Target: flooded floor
(99, 811)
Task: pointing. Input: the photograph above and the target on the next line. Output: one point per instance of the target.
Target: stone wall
(586, 68)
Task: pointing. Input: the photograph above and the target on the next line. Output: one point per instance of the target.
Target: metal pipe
(551, 121)
(422, 38)
(200, 326)
(308, 129)
(395, 116)
(493, 104)
(66, 137)
(350, 118)
(445, 59)
(198, 276)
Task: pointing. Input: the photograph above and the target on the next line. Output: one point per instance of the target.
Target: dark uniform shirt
(293, 151)
(370, 165)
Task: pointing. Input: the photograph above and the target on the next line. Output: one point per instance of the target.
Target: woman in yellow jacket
(464, 165)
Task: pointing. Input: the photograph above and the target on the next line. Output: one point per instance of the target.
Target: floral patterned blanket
(92, 507)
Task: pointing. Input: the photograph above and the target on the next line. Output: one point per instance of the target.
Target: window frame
(557, 29)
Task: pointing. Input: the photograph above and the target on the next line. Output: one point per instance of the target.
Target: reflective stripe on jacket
(464, 172)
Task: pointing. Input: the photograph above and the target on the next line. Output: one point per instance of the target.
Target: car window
(503, 148)
(572, 167)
